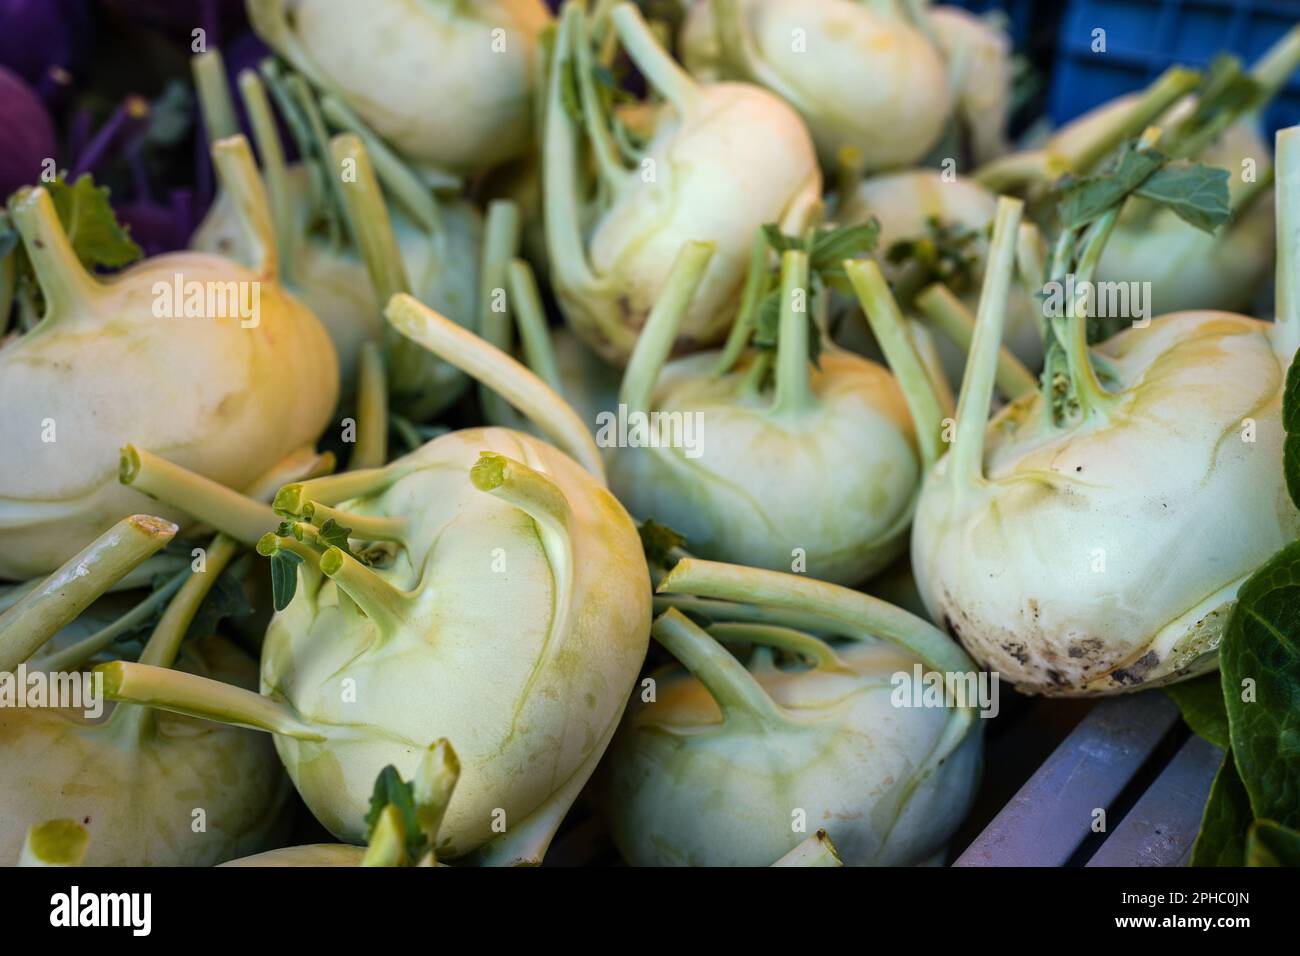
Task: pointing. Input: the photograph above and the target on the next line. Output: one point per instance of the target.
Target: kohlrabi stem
(1092, 396)
(743, 325)
(530, 491)
(211, 502)
(1274, 68)
(301, 92)
(194, 696)
(609, 162)
(655, 343)
(966, 467)
(782, 638)
(387, 606)
(433, 784)
(849, 166)
(387, 843)
(1168, 88)
(794, 394)
(736, 48)
(371, 448)
(1031, 271)
(651, 60)
(948, 315)
(267, 139)
(891, 332)
(534, 335)
(315, 168)
(414, 196)
(294, 498)
(368, 217)
(1014, 170)
(243, 184)
(55, 843)
(76, 655)
(492, 367)
(500, 245)
(361, 527)
(751, 385)
(561, 165)
(1287, 276)
(46, 609)
(165, 641)
(740, 697)
(817, 850)
(216, 105)
(67, 286)
(272, 544)
(737, 612)
(843, 612)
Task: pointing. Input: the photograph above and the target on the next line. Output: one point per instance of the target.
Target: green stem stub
(489, 472)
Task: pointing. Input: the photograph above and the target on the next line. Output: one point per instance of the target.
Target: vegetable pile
(427, 430)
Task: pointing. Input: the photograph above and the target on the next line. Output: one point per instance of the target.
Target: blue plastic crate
(1019, 14)
(1144, 37)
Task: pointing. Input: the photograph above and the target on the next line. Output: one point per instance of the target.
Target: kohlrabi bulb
(1184, 267)
(188, 352)
(724, 158)
(438, 242)
(447, 83)
(861, 74)
(1097, 547)
(494, 593)
(152, 789)
(27, 135)
(816, 470)
(330, 278)
(717, 767)
(979, 62)
(931, 207)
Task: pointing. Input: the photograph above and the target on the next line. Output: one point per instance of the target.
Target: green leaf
(1079, 201)
(779, 241)
(1198, 194)
(1291, 422)
(831, 247)
(392, 790)
(1271, 844)
(333, 534)
(1222, 840)
(1201, 702)
(92, 227)
(767, 320)
(1225, 88)
(1259, 662)
(659, 542)
(947, 253)
(284, 578)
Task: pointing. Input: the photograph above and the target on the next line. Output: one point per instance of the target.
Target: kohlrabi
(864, 74)
(438, 241)
(402, 824)
(721, 160)
(776, 456)
(1091, 538)
(728, 764)
(28, 139)
(151, 789)
(979, 61)
(448, 83)
(211, 362)
(485, 588)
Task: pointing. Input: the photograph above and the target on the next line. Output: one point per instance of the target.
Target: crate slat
(1161, 827)
(1052, 813)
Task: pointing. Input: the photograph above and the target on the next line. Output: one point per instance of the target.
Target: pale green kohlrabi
(486, 588)
(727, 764)
(1183, 267)
(723, 159)
(151, 789)
(448, 83)
(401, 826)
(864, 74)
(760, 455)
(1093, 542)
(209, 361)
(438, 240)
(978, 53)
(934, 229)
